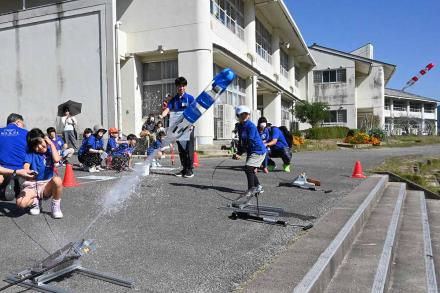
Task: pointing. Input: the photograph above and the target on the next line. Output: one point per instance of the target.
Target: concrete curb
(384, 267)
(320, 275)
(431, 280)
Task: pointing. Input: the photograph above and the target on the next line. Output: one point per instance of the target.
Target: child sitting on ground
(63, 150)
(92, 149)
(157, 145)
(41, 156)
(122, 154)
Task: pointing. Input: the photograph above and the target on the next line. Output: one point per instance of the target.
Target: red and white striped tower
(415, 78)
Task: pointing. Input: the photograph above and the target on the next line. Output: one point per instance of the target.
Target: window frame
(336, 114)
(338, 75)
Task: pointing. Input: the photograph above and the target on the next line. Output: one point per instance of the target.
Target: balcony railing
(411, 109)
(398, 108)
(221, 15)
(263, 53)
(429, 110)
(387, 107)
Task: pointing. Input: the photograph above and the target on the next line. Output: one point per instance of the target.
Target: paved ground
(168, 234)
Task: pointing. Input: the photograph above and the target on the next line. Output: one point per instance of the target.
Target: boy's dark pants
(120, 162)
(90, 159)
(186, 152)
(285, 154)
(10, 188)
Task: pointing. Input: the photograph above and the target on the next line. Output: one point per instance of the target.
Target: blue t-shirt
(111, 145)
(83, 148)
(180, 103)
(95, 143)
(123, 149)
(42, 163)
(276, 133)
(250, 138)
(58, 142)
(265, 135)
(156, 145)
(13, 146)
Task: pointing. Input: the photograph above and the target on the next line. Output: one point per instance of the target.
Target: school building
(120, 58)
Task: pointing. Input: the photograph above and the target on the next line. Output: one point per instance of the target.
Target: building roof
(407, 95)
(389, 69)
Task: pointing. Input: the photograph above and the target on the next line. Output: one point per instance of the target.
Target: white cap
(242, 109)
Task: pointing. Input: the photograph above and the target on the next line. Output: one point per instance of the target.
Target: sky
(404, 33)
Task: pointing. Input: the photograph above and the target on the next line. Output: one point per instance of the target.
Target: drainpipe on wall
(118, 77)
(24, 5)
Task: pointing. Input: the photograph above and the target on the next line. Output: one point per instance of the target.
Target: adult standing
(185, 143)
(69, 123)
(13, 147)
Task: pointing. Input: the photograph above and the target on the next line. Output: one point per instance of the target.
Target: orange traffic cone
(69, 177)
(196, 160)
(357, 171)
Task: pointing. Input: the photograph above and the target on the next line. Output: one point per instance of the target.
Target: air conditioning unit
(224, 121)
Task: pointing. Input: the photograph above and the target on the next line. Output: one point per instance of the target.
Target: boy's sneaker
(271, 167)
(93, 170)
(158, 164)
(35, 209)
(188, 174)
(259, 189)
(56, 211)
(180, 174)
(99, 168)
(286, 168)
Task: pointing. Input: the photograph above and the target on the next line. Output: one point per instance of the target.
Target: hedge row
(326, 132)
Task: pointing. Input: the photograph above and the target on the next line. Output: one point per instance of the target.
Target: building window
(399, 106)
(235, 93)
(387, 104)
(297, 76)
(284, 64)
(263, 41)
(415, 107)
(429, 108)
(329, 76)
(158, 82)
(337, 116)
(231, 14)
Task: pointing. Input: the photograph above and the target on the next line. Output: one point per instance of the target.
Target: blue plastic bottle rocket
(202, 103)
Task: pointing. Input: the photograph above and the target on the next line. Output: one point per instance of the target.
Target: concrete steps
(380, 238)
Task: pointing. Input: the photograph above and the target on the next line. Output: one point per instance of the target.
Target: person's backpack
(286, 133)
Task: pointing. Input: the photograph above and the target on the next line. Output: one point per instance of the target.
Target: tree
(312, 113)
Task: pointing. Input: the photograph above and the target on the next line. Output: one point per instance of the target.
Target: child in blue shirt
(156, 146)
(63, 150)
(251, 143)
(121, 157)
(264, 134)
(41, 156)
(278, 149)
(92, 152)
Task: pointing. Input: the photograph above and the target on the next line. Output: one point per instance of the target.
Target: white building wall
(43, 64)
(338, 94)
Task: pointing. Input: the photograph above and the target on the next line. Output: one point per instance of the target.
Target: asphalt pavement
(167, 234)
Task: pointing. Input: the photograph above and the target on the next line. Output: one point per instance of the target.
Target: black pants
(10, 188)
(70, 139)
(285, 154)
(120, 162)
(251, 176)
(90, 159)
(186, 152)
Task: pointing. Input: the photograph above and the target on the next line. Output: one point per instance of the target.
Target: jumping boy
(41, 156)
(251, 143)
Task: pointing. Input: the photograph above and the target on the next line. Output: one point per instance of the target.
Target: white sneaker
(99, 168)
(158, 164)
(154, 164)
(93, 170)
(35, 210)
(56, 211)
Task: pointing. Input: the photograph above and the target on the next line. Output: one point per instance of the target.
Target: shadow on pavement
(10, 210)
(206, 187)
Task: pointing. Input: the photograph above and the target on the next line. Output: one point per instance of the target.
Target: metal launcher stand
(61, 263)
(245, 211)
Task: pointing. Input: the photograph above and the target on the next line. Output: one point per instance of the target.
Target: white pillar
(131, 88)
(272, 108)
(276, 54)
(249, 27)
(423, 117)
(251, 92)
(291, 70)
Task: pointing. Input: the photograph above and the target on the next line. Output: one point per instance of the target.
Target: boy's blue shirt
(123, 149)
(250, 138)
(83, 148)
(265, 135)
(156, 145)
(42, 163)
(13, 146)
(111, 145)
(58, 142)
(178, 103)
(281, 140)
(95, 143)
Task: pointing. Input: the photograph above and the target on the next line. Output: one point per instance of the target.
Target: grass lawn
(423, 170)
(412, 140)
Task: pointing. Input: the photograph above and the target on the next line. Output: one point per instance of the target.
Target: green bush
(327, 132)
(378, 133)
(297, 133)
